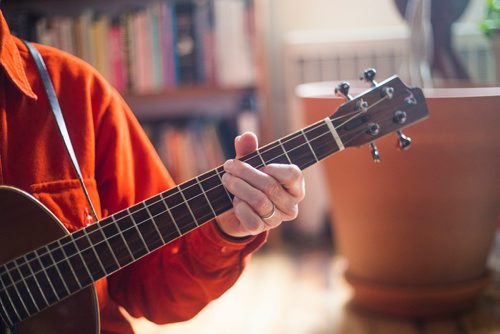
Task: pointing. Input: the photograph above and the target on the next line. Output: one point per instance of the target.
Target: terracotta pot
(417, 228)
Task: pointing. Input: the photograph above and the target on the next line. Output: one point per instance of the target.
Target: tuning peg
(342, 89)
(369, 76)
(375, 152)
(404, 141)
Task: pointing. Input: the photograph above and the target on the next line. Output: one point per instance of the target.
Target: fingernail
(237, 139)
(224, 178)
(228, 164)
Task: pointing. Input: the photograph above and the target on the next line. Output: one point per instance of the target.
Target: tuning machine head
(368, 75)
(342, 90)
(404, 141)
(375, 152)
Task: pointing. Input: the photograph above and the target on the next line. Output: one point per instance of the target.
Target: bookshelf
(176, 62)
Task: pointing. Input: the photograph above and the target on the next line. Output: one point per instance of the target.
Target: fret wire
(218, 174)
(11, 322)
(206, 197)
(69, 264)
(147, 226)
(18, 295)
(137, 229)
(220, 178)
(187, 204)
(260, 156)
(284, 151)
(170, 214)
(7, 321)
(120, 232)
(95, 252)
(44, 270)
(154, 222)
(79, 252)
(109, 246)
(36, 280)
(58, 271)
(23, 280)
(309, 144)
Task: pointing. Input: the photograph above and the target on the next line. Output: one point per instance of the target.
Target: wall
(287, 16)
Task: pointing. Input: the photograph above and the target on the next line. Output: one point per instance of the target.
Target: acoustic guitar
(47, 274)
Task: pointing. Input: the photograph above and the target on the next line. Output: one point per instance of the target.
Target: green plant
(490, 25)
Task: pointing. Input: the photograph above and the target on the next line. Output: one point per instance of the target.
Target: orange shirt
(120, 168)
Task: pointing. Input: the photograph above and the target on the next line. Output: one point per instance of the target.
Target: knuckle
(253, 224)
(292, 212)
(240, 167)
(272, 188)
(295, 173)
(260, 202)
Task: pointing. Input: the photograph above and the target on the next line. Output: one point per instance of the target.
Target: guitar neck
(68, 265)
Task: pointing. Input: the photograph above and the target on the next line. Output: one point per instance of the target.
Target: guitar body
(25, 225)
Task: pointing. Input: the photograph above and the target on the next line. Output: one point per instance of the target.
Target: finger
(250, 221)
(265, 184)
(289, 176)
(245, 144)
(242, 190)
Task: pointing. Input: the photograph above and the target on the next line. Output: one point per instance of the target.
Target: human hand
(263, 198)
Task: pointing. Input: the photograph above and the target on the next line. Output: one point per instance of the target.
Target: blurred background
(198, 72)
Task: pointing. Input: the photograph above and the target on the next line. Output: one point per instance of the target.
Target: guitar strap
(56, 111)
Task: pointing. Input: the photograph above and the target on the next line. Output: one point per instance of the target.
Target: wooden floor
(306, 294)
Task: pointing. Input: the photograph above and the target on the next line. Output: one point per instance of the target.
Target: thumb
(245, 144)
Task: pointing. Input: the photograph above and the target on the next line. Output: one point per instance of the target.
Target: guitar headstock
(387, 107)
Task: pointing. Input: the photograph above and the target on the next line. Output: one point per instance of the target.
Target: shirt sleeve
(175, 282)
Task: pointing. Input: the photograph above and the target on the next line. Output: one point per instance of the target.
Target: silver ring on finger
(269, 215)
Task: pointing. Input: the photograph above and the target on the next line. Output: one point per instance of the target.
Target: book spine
(234, 61)
(155, 64)
(167, 44)
(117, 57)
(186, 43)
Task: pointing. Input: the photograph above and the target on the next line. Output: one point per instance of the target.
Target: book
(100, 47)
(117, 56)
(185, 42)
(167, 44)
(82, 34)
(234, 61)
(161, 44)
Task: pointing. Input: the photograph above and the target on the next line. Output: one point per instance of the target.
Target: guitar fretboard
(51, 273)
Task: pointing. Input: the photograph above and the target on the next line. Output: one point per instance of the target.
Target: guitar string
(269, 147)
(173, 233)
(327, 133)
(54, 263)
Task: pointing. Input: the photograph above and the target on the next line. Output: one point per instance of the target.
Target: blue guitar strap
(56, 110)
